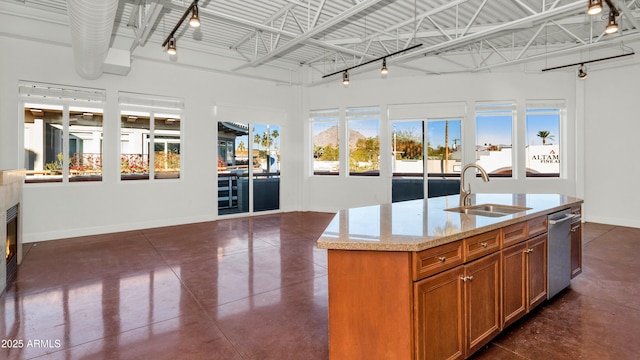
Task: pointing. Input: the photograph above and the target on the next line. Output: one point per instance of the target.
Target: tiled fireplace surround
(10, 194)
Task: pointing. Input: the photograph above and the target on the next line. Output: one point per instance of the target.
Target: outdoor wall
(611, 128)
(334, 193)
(56, 210)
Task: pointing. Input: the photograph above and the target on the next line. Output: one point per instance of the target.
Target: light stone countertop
(421, 224)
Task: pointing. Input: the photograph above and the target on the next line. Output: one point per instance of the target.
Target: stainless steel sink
(492, 210)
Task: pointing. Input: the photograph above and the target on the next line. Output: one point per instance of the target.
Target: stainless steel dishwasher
(559, 252)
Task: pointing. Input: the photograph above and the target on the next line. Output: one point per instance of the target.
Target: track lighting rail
(374, 60)
(588, 61)
(192, 8)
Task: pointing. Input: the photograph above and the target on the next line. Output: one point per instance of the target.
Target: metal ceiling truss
(273, 38)
(452, 42)
(327, 35)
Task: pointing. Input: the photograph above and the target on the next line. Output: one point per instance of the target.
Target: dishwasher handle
(567, 217)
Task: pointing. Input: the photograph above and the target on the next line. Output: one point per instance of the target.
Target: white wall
(611, 137)
(54, 211)
(331, 194)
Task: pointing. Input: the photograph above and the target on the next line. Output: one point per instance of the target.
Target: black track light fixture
(581, 73)
(595, 7)
(345, 78)
(195, 19)
(612, 25)
(171, 46)
(384, 71)
(170, 42)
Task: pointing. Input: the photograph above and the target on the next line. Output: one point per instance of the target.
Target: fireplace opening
(12, 243)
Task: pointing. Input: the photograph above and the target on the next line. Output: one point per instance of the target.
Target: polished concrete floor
(256, 288)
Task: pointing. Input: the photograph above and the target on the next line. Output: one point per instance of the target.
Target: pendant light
(595, 7)
(384, 71)
(581, 73)
(195, 19)
(345, 78)
(171, 46)
(612, 26)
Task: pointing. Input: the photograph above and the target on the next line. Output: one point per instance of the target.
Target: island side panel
(370, 305)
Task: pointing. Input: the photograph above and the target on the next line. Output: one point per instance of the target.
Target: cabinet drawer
(481, 245)
(577, 211)
(514, 234)
(537, 226)
(431, 261)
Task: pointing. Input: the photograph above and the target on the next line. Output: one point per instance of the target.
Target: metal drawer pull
(442, 258)
(528, 251)
(557, 221)
(466, 278)
(484, 245)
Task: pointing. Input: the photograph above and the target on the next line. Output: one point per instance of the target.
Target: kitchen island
(411, 280)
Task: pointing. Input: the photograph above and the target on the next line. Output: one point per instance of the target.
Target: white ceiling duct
(91, 23)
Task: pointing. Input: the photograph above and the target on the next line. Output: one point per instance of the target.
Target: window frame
(153, 107)
(68, 99)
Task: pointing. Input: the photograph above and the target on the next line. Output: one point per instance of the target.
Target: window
(364, 141)
(325, 137)
(443, 148)
(62, 133)
(149, 134)
(494, 138)
(543, 139)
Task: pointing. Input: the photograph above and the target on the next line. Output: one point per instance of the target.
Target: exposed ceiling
(330, 35)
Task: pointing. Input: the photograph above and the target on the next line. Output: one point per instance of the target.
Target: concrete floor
(256, 288)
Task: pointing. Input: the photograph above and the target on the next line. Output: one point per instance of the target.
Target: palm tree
(544, 135)
(241, 146)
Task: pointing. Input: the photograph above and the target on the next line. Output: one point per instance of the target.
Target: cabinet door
(439, 316)
(576, 249)
(514, 285)
(482, 301)
(537, 270)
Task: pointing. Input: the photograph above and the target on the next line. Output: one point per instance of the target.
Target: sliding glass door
(440, 159)
(248, 167)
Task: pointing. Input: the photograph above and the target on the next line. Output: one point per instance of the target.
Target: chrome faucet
(465, 200)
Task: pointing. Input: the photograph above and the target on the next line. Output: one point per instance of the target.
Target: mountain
(331, 136)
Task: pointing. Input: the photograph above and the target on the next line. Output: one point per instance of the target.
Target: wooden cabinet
(459, 307)
(482, 301)
(576, 248)
(514, 284)
(524, 278)
(536, 270)
(439, 314)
